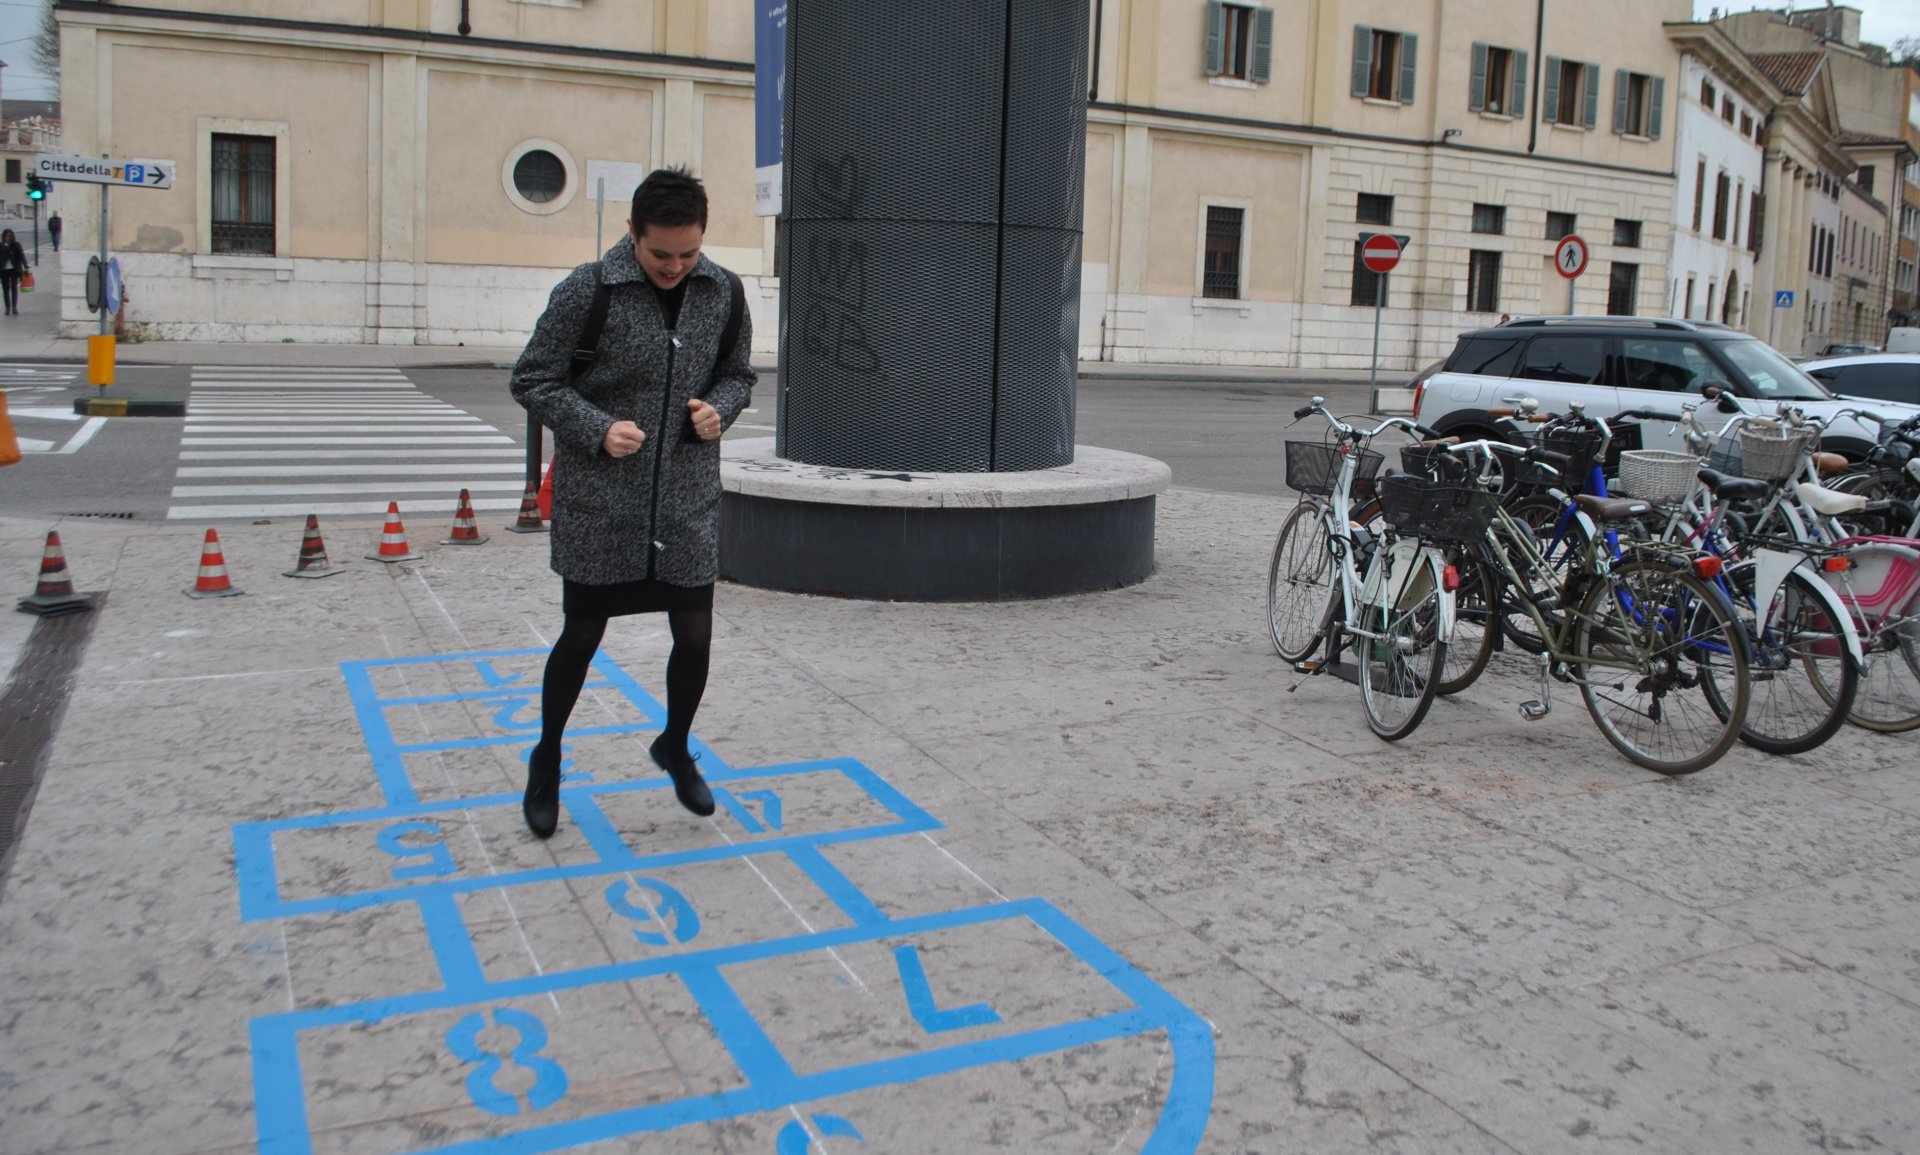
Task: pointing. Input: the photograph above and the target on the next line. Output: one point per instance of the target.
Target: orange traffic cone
(212, 581)
(54, 595)
(313, 561)
(464, 531)
(529, 519)
(393, 540)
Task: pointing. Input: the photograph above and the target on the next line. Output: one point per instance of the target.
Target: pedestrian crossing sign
(1783, 299)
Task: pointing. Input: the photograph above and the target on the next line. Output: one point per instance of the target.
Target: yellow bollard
(100, 355)
(9, 444)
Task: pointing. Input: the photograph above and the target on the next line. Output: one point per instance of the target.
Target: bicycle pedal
(1533, 709)
(1310, 666)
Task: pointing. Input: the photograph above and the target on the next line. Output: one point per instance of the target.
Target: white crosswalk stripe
(269, 441)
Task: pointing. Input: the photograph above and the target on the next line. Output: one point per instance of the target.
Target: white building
(1719, 158)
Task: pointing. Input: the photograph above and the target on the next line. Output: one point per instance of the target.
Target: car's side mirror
(1727, 403)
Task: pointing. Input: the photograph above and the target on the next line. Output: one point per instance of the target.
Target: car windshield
(1769, 374)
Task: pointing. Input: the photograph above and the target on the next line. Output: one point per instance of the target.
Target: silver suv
(1612, 364)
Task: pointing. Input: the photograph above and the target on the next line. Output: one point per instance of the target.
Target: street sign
(103, 170)
(1783, 299)
(1380, 252)
(1570, 256)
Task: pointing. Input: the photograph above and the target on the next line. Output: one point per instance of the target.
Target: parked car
(1844, 351)
(1611, 364)
(1872, 377)
(1903, 340)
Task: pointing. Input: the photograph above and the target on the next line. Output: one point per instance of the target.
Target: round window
(539, 176)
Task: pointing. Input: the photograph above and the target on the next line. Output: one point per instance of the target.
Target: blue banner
(769, 102)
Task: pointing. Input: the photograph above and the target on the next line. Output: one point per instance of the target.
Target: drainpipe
(466, 25)
(1539, 65)
(1093, 87)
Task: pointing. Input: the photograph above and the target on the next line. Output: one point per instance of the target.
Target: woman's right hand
(623, 439)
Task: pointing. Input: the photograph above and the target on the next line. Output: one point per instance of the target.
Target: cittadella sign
(105, 170)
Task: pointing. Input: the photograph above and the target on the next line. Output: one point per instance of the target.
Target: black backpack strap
(730, 336)
(586, 350)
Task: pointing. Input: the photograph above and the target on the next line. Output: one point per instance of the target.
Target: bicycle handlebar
(1319, 405)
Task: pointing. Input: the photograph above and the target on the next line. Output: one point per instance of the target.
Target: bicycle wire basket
(1580, 447)
(1314, 466)
(1426, 460)
(1440, 511)
(1774, 452)
(1657, 474)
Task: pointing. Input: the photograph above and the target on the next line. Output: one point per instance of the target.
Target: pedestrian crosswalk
(278, 441)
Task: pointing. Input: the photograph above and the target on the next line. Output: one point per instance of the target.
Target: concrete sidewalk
(1083, 875)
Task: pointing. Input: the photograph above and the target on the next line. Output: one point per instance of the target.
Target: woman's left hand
(706, 422)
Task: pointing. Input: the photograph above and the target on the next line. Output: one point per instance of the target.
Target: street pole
(36, 232)
(1379, 299)
(1571, 283)
(103, 260)
(599, 211)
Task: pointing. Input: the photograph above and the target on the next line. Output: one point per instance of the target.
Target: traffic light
(36, 188)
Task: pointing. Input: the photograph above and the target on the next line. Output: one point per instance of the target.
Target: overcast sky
(1881, 22)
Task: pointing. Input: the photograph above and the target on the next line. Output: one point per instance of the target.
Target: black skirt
(646, 596)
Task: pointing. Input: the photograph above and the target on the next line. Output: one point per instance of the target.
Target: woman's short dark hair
(670, 197)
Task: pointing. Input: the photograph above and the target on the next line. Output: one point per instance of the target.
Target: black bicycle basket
(1313, 467)
(1431, 510)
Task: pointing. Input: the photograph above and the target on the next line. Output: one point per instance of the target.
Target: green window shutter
(1518, 105)
(1550, 98)
(1409, 48)
(1590, 115)
(1620, 100)
(1654, 102)
(1477, 80)
(1362, 58)
(1216, 62)
(1262, 69)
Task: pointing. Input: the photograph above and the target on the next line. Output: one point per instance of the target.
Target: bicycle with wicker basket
(1387, 600)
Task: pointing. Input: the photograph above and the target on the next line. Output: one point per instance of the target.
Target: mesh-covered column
(935, 161)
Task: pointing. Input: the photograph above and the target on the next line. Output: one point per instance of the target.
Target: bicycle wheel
(1475, 625)
(1299, 583)
(1400, 669)
(1542, 587)
(1673, 635)
(1802, 682)
(1888, 700)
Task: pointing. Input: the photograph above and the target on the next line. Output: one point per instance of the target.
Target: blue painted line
(521, 736)
(279, 1100)
(624, 682)
(388, 767)
(493, 677)
(921, 1004)
(254, 871)
(739, 1032)
(591, 821)
(810, 1088)
(741, 814)
(769, 806)
(438, 659)
(452, 943)
(851, 900)
(492, 693)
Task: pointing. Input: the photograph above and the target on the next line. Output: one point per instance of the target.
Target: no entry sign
(1380, 252)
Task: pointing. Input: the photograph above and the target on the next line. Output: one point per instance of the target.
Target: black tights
(573, 654)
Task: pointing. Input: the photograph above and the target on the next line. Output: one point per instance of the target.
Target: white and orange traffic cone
(212, 581)
(313, 561)
(53, 594)
(393, 539)
(464, 531)
(529, 520)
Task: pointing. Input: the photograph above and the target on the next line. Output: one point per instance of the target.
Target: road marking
(372, 467)
(331, 508)
(449, 440)
(340, 487)
(340, 454)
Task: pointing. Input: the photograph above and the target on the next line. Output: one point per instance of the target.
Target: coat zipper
(659, 453)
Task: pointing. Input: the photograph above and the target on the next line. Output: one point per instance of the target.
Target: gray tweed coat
(655, 514)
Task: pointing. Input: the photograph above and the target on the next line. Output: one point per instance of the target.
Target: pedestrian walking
(13, 262)
(636, 478)
(53, 229)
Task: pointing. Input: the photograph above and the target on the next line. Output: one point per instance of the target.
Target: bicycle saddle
(1610, 508)
(1733, 488)
(1826, 502)
(1825, 463)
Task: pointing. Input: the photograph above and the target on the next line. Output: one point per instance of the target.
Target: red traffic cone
(53, 595)
(464, 531)
(529, 519)
(212, 581)
(313, 561)
(393, 540)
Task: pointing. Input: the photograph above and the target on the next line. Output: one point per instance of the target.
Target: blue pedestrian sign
(1783, 299)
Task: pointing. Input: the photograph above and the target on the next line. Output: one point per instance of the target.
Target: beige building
(371, 171)
(20, 141)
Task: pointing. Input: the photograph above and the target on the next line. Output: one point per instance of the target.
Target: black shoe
(688, 786)
(541, 805)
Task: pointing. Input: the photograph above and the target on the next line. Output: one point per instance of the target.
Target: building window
(1560, 225)
(1726, 114)
(1722, 205)
(1699, 194)
(1746, 124)
(1863, 178)
(1239, 41)
(1221, 275)
(1622, 283)
(1373, 209)
(539, 176)
(1739, 198)
(1706, 92)
(1499, 81)
(1686, 310)
(1384, 64)
(1483, 281)
(1636, 104)
(1755, 215)
(1626, 233)
(1489, 219)
(1368, 286)
(1572, 94)
(243, 200)
(13, 172)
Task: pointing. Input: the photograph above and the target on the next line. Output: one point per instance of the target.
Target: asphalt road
(1224, 436)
